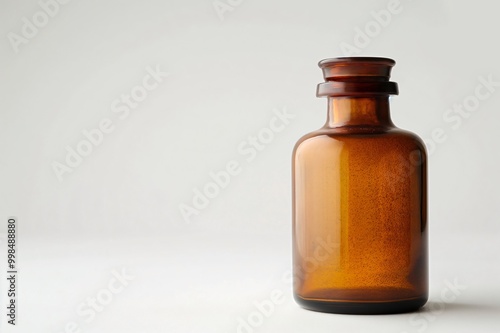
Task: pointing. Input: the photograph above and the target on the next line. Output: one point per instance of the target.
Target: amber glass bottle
(359, 199)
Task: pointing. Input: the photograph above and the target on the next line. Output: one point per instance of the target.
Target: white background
(228, 73)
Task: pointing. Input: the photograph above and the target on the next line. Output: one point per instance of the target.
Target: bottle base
(360, 307)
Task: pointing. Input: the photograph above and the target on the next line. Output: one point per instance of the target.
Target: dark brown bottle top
(357, 76)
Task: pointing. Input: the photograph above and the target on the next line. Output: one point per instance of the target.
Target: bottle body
(360, 235)
(360, 220)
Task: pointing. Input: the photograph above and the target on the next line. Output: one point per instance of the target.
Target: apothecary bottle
(360, 199)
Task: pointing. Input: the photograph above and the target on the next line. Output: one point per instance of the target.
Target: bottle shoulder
(361, 135)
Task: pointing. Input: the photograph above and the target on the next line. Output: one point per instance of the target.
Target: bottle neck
(359, 111)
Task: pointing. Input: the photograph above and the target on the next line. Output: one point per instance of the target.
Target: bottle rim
(353, 76)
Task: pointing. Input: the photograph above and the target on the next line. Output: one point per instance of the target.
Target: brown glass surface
(360, 211)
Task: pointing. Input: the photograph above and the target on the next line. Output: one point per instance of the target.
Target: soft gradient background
(119, 209)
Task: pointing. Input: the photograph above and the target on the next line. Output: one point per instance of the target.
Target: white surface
(120, 207)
